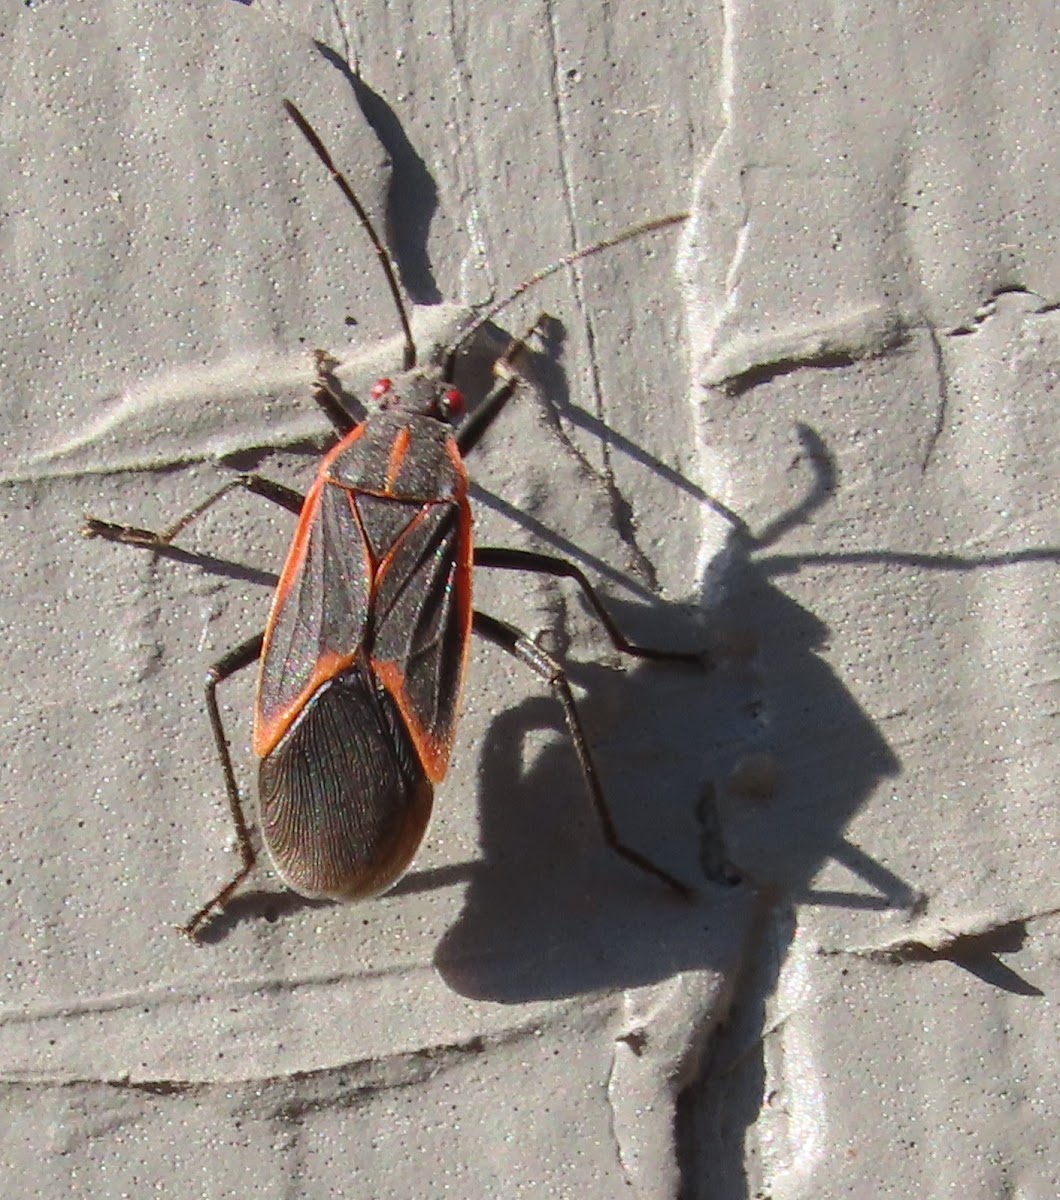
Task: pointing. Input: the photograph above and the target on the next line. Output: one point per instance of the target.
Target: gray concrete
(814, 428)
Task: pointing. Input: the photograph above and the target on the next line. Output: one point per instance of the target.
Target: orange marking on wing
(296, 556)
(267, 733)
(432, 752)
(384, 564)
(466, 553)
(465, 573)
(398, 452)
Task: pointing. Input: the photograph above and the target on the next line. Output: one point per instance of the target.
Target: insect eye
(454, 402)
(380, 388)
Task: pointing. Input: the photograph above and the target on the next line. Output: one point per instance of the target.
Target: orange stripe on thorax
(340, 448)
(398, 452)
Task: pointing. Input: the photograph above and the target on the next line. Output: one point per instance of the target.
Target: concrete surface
(814, 428)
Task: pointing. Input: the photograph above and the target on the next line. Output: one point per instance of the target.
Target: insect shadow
(412, 195)
(545, 916)
(722, 757)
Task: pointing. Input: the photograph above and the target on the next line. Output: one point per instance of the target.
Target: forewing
(421, 622)
(319, 615)
(379, 572)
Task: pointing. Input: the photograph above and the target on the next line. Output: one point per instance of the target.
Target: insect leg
(130, 535)
(506, 559)
(505, 383)
(331, 398)
(235, 660)
(516, 643)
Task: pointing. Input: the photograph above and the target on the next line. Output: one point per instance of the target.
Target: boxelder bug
(365, 648)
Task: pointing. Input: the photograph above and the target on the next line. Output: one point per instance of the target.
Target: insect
(364, 652)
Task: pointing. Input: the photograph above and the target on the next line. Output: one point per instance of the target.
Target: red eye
(380, 388)
(454, 402)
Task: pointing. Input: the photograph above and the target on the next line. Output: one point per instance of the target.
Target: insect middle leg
(506, 559)
(148, 539)
(516, 643)
(235, 660)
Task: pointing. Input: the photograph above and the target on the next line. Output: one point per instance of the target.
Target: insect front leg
(520, 646)
(505, 383)
(235, 660)
(331, 398)
(147, 539)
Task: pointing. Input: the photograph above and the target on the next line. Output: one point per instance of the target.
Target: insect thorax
(402, 453)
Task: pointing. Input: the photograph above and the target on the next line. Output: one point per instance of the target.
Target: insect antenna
(310, 135)
(575, 255)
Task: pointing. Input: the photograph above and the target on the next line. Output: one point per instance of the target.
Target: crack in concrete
(621, 510)
(942, 406)
(988, 309)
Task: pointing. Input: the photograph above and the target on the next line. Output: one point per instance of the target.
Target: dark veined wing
(378, 577)
(421, 620)
(344, 798)
(319, 614)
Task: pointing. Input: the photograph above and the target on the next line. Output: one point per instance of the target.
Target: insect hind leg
(516, 643)
(235, 660)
